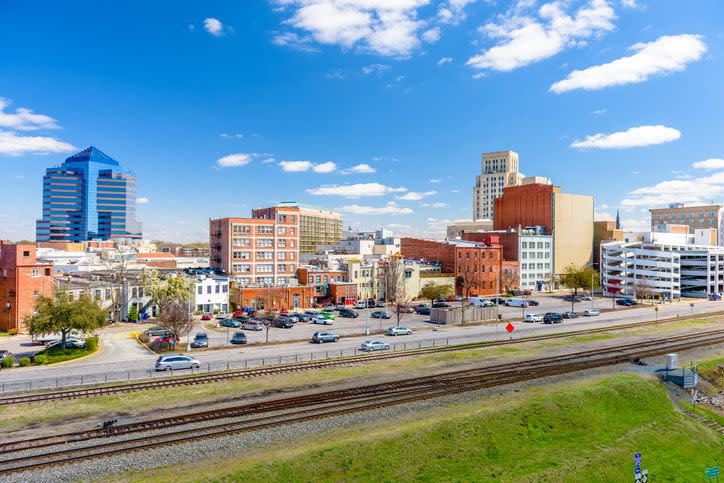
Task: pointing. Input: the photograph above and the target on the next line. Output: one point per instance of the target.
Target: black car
(440, 305)
(423, 311)
(570, 315)
(626, 302)
(498, 300)
(552, 318)
(348, 313)
(282, 323)
(239, 338)
(533, 303)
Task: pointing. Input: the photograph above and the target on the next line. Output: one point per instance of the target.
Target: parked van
(516, 303)
(480, 302)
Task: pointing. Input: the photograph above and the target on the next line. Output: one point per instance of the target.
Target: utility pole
(367, 315)
(591, 290)
(191, 316)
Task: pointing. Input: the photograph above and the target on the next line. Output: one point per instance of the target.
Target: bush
(7, 362)
(13, 332)
(41, 359)
(91, 344)
(24, 361)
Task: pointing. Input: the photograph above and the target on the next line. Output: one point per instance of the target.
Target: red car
(450, 299)
(206, 317)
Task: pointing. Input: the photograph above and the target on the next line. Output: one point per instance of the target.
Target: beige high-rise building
(499, 170)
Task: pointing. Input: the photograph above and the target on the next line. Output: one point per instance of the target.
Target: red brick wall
(345, 293)
(282, 297)
(509, 241)
(430, 251)
(485, 262)
(526, 205)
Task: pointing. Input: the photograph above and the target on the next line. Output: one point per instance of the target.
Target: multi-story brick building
(322, 282)
(701, 216)
(430, 251)
(317, 226)
(290, 297)
(257, 251)
(22, 281)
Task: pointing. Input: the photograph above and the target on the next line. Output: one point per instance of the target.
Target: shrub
(13, 332)
(41, 359)
(7, 362)
(24, 361)
(91, 344)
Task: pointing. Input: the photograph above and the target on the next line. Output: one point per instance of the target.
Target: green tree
(579, 277)
(64, 314)
(133, 314)
(167, 291)
(432, 292)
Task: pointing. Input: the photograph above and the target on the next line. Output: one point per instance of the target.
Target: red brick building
(429, 251)
(292, 297)
(343, 293)
(525, 205)
(22, 281)
(322, 281)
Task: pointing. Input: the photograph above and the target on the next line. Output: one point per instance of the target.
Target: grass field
(55, 356)
(583, 431)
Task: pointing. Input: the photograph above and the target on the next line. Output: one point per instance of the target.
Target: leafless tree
(643, 290)
(117, 274)
(509, 279)
(267, 307)
(469, 274)
(176, 318)
(393, 275)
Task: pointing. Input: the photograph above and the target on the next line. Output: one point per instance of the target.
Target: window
(218, 289)
(265, 243)
(26, 253)
(208, 289)
(242, 229)
(325, 279)
(200, 290)
(264, 230)
(282, 218)
(225, 288)
(281, 243)
(242, 242)
(282, 230)
(36, 272)
(293, 218)
(293, 230)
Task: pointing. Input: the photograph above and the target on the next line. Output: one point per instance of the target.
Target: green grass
(702, 411)
(585, 431)
(4, 334)
(61, 355)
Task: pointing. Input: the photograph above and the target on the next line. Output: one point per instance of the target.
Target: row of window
(327, 278)
(262, 267)
(538, 245)
(533, 266)
(214, 289)
(673, 216)
(524, 255)
(537, 276)
(262, 230)
(475, 255)
(246, 255)
(692, 222)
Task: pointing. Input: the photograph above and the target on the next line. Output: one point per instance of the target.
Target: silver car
(399, 331)
(175, 362)
(374, 345)
(252, 325)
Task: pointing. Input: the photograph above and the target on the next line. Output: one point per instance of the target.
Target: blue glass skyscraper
(88, 197)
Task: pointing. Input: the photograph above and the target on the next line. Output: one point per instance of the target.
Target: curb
(98, 351)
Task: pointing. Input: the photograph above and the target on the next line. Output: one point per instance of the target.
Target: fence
(146, 374)
(461, 315)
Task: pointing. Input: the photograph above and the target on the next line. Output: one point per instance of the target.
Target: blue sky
(378, 108)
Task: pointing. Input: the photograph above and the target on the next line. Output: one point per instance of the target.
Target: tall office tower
(499, 170)
(88, 197)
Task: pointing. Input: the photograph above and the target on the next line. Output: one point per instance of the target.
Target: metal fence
(146, 374)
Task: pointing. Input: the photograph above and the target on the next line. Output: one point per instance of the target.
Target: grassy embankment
(582, 431)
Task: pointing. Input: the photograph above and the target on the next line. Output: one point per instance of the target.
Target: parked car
(282, 323)
(321, 321)
(229, 322)
(206, 317)
(200, 340)
(533, 303)
(450, 299)
(498, 300)
(5, 353)
(515, 293)
(175, 362)
(480, 302)
(238, 338)
(322, 337)
(533, 318)
(406, 309)
(421, 306)
(423, 311)
(516, 303)
(373, 345)
(552, 318)
(290, 317)
(360, 305)
(398, 331)
(221, 315)
(327, 315)
(591, 312)
(626, 302)
(348, 313)
(329, 307)
(440, 305)
(380, 314)
(70, 343)
(152, 332)
(252, 325)
(570, 315)
(380, 304)
(715, 296)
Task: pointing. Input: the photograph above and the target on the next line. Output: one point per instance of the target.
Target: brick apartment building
(22, 281)
(291, 297)
(330, 286)
(257, 251)
(479, 263)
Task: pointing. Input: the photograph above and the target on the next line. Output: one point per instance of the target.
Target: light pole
(591, 290)
(188, 330)
(367, 320)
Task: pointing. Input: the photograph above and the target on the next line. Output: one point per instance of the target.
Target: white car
(591, 312)
(321, 321)
(533, 318)
(399, 331)
(373, 345)
(360, 305)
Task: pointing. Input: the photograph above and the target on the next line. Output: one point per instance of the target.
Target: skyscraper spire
(618, 220)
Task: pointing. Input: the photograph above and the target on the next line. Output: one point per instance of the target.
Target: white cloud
(375, 69)
(437, 204)
(694, 190)
(435, 180)
(213, 26)
(634, 137)
(524, 38)
(391, 208)
(355, 190)
(444, 60)
(13, 145)
(666, 54)
(416, 196)
(708, 164)
(335, 75)
(385, 27)
(453, 11)
(294, 41)
(363, 168)
(432, 35)
(24, 119)
(142, 200)
(327, 167)
(231, 136)
(629, 3)
(295, 166)
(479, 75)
(234, 160)
(599, 112)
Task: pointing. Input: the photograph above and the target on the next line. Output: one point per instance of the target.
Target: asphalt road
(121, 353)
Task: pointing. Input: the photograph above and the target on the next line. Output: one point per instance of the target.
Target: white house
(211, 293)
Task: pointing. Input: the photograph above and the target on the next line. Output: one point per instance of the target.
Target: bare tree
(267, 308)
(469, 274)
(117, 274)
(393, 274)
(176, 318)
(643, 290)
(509, 279)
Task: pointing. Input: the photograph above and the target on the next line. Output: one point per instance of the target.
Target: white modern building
(211, 294)
(663, 265)
(535, 254)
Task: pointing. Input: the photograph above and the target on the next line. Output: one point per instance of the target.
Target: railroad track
(250, 417)
(303, 366)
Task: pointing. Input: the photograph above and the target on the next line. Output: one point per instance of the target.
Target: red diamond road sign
(509, 327)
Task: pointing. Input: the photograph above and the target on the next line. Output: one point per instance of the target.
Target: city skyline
(384, 122)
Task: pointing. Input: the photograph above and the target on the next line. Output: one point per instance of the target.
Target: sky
(380, 109)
